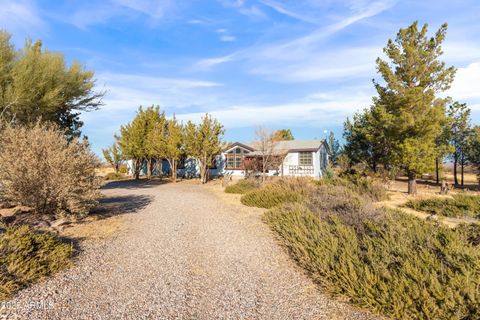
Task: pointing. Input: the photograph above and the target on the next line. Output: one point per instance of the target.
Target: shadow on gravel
(112, 206)
(134, 184)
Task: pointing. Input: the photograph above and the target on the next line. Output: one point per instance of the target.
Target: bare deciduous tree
(266, 144)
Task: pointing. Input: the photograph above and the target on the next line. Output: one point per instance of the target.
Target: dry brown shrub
(40, 169)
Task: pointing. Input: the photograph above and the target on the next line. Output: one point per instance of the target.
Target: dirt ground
(398, 196)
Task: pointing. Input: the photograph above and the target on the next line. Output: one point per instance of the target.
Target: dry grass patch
(94, 229)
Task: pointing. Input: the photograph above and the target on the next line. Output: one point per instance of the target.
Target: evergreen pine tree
(407, 101)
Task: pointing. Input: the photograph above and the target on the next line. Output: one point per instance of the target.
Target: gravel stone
(186, 254)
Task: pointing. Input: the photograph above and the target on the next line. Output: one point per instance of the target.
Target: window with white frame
(305, 158)
(235, 158)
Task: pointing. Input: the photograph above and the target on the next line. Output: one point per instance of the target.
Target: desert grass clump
(278, 192)
(460, 205)
(41, 169)
(243, 186)
(389, 262)
(112, 176)
(26, 257)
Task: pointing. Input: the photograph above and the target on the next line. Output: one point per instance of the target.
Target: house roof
(284, 146)
(238, 144)
(292, 145)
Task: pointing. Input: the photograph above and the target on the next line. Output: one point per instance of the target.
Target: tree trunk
(444, 187)
(455, 160)
(173, 165)
(203, 171)
(462, 165)
(137, 168)
(160, 168)
(149, 168)
(412, 183)
(437, 175)
(117, 167)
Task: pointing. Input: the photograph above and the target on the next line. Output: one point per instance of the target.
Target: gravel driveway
(185, 254)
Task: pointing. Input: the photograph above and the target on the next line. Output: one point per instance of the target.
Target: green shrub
(389, 262)
(114, 176)
(269, 197)
(26, 257)
(470, 232)
(368, 186)
(460, 205)
(365, 186)
(242, 186)
(278, 192)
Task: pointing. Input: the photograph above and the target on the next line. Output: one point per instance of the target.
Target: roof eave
(238, 144)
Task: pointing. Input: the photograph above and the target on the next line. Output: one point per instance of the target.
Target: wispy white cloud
(211, 62)
(371, 10)
(460, 51)
(21, 16)
(156, 82)
(227, 38)
(244, 8)
(467, 83)
(127, 91)
(309, 66)
(197, 21)
(84, 16)
(225, 35)
(316, 110)
(307, 57)
(153, 8)
(282, 10)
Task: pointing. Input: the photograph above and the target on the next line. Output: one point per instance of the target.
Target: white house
(300, 158)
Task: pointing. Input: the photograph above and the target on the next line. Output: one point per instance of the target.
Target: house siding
(192, 170)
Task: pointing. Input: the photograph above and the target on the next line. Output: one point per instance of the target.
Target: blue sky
(303, 65)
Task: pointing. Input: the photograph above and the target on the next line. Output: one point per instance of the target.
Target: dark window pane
(305, 158)
(238, 162)
(230, 160)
